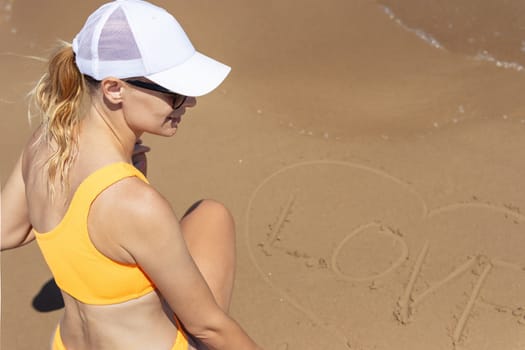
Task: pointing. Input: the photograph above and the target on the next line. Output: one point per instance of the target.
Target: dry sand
(376, 181)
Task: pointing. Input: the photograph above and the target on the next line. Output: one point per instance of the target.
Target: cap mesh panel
(117, 42)
(85, 39)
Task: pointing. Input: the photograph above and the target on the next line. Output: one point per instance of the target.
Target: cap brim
(197, 76)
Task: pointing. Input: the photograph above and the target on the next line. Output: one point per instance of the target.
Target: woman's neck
(105, 130)
(104, 137)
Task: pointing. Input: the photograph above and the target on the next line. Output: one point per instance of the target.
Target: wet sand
(375, 179)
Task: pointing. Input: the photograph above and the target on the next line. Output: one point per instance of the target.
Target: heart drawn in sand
(358, 252)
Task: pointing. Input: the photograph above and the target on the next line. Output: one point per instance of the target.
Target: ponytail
(59, 98)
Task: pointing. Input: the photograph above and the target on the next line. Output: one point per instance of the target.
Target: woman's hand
(139, 157)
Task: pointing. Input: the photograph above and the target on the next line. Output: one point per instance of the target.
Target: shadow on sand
(48, 298)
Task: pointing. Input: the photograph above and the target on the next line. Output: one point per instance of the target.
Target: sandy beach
(375, 173)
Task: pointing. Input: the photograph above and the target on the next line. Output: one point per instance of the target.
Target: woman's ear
(112, 89)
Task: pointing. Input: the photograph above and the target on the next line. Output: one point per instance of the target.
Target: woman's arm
(147, 228)
(14, 216)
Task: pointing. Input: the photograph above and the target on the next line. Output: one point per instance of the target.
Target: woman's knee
(210, 236)
(210, 213)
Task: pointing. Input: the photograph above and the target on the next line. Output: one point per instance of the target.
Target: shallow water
(6, 7)
(372, 97)
(492, 30)
(336, 70)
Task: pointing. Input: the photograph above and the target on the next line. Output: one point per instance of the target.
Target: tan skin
(191, 261)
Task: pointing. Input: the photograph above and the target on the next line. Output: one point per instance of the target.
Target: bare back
(145, 322)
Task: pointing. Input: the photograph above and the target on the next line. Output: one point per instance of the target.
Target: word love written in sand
(396, 255)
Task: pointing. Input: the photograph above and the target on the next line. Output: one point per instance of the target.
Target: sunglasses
(178, 100)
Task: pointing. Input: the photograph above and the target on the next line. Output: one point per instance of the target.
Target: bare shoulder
(136, 197)
(134, 213)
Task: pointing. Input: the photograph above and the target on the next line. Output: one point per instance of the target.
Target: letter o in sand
(361, 230)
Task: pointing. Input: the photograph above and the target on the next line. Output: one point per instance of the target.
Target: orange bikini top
(78, 267)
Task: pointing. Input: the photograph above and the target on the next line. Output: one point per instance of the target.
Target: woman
(128, 270)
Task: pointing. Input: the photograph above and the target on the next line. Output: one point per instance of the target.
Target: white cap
(133, 38)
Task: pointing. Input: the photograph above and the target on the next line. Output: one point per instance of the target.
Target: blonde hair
(58, 99)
